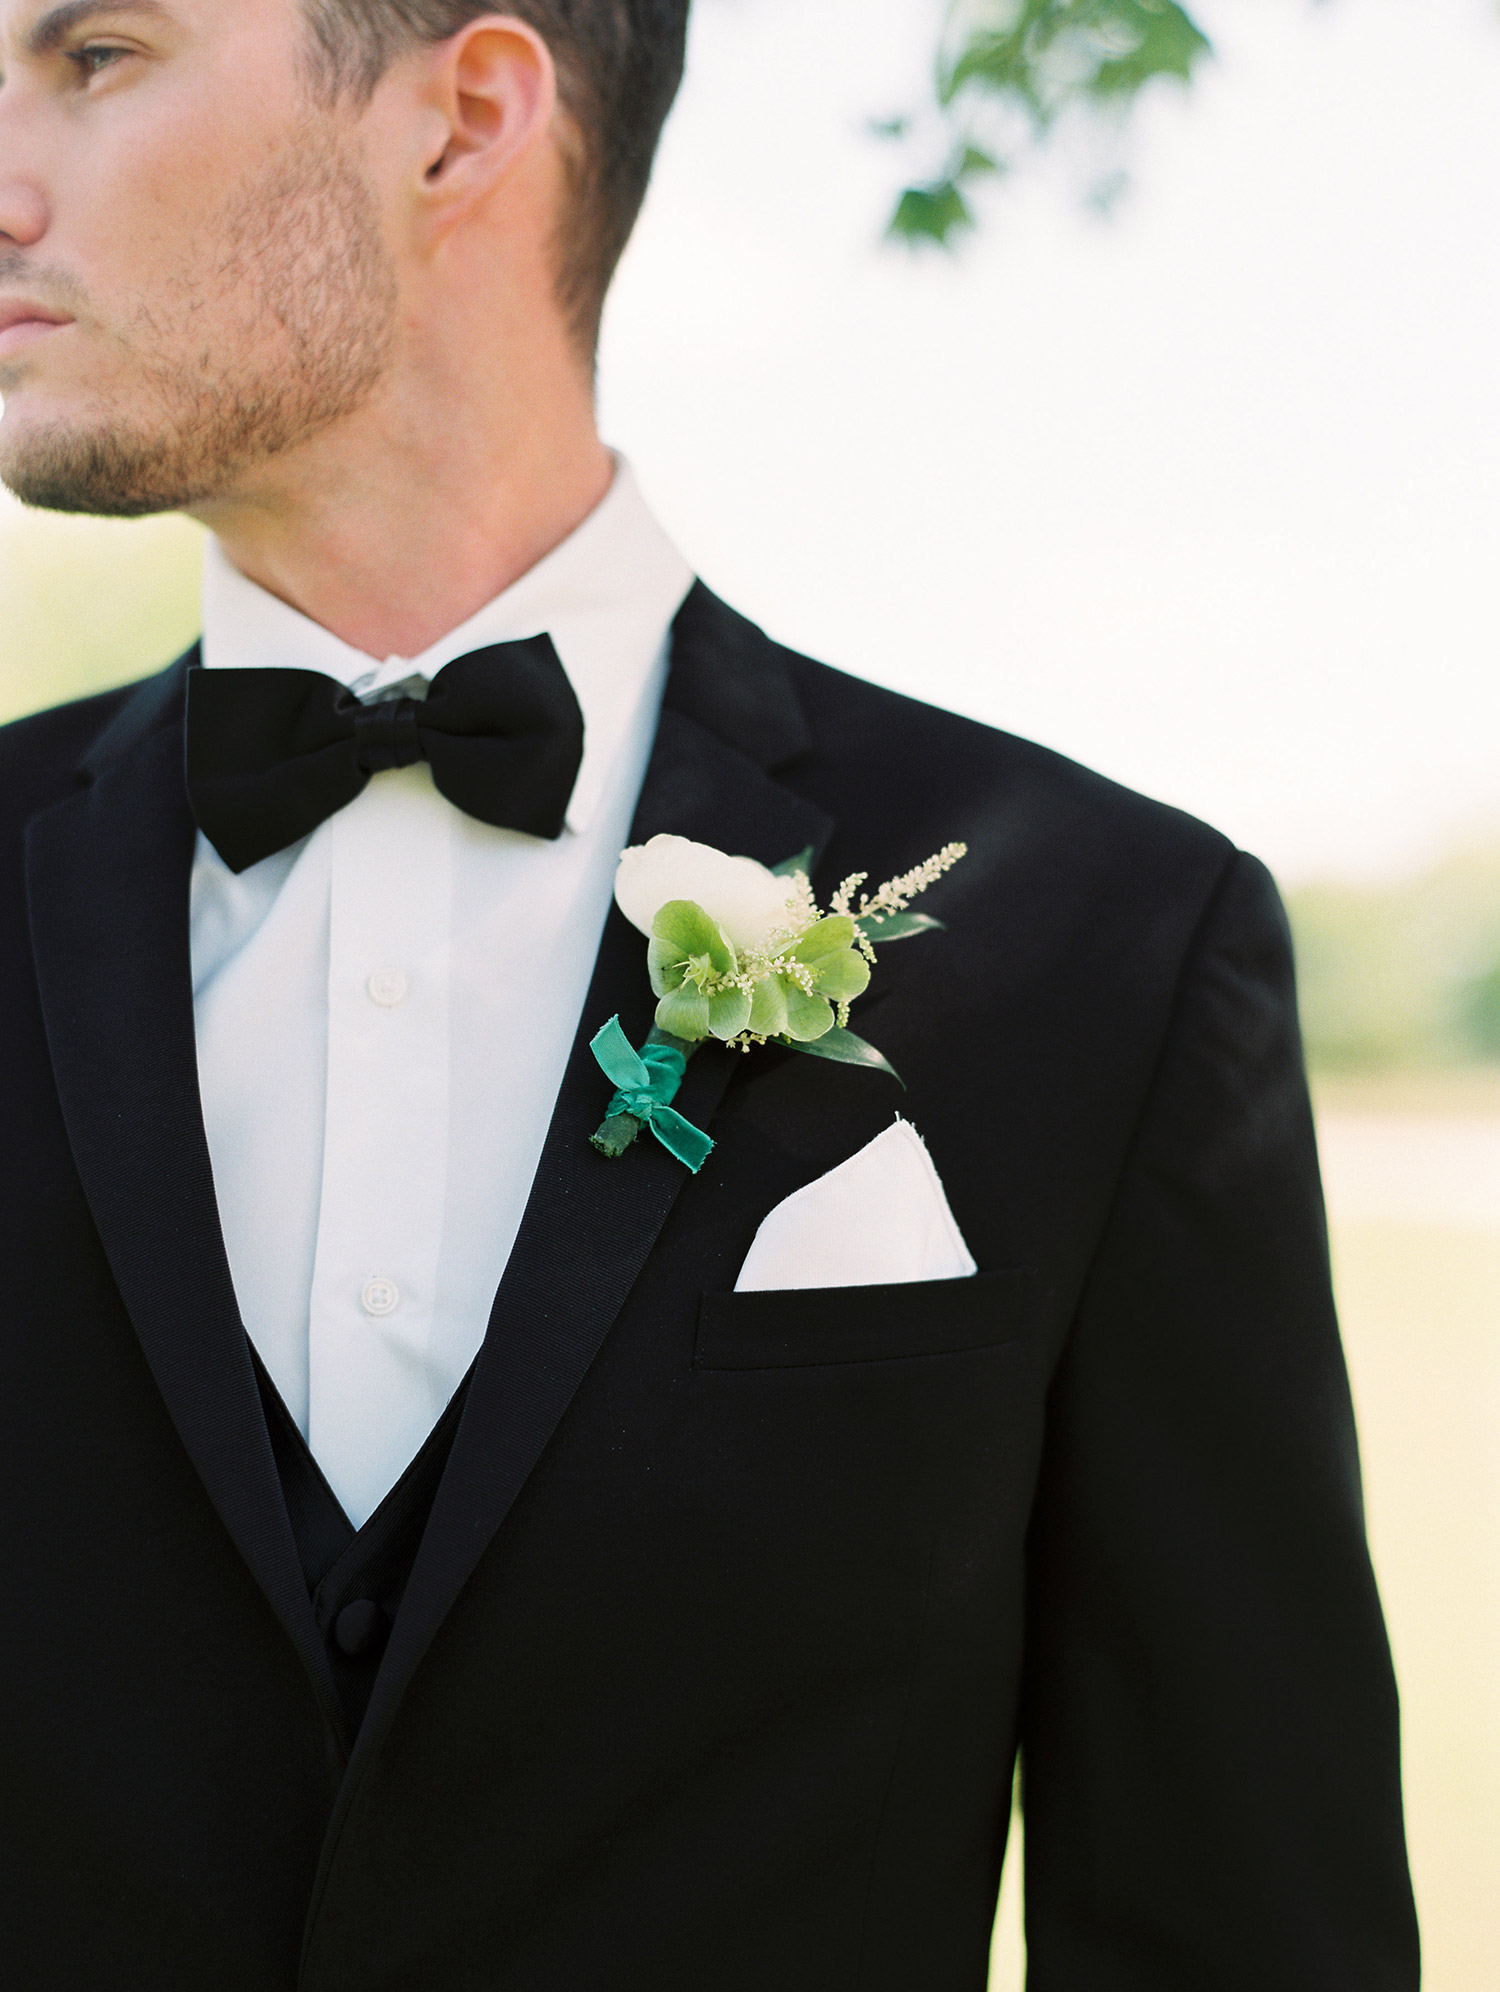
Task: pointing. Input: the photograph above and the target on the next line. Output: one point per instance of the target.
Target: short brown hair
(619, 64)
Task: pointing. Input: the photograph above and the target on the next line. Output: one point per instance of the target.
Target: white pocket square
(881, 1218)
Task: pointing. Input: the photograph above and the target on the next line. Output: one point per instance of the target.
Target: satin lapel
(555, 1306)
(108, 872)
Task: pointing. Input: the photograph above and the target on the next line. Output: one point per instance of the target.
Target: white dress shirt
(384, 1010)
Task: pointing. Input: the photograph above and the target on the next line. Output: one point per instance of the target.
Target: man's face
(193, 277)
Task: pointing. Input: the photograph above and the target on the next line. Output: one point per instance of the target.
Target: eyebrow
(54, 28)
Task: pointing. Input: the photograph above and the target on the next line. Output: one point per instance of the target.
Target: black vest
(356, 1576)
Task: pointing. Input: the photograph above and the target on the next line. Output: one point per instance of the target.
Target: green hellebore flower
(691, 956)
(689, 953)
(839, 974)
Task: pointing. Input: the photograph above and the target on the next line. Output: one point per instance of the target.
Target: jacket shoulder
(43, 754)
(876, 742)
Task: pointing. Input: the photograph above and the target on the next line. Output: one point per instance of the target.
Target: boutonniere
(741, 954)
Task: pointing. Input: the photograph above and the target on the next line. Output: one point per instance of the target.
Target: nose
(24, 208)
(23, 215)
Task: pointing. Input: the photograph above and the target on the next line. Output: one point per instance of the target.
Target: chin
(59, 462)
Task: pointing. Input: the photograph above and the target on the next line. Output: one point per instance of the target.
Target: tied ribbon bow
(647, 1080)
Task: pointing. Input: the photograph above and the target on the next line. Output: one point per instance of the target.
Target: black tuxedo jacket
(732, 1611)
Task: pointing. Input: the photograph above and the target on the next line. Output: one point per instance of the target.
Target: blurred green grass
(1420, 1305)
(87, 603)
(1421, 1313)
(1405, 975)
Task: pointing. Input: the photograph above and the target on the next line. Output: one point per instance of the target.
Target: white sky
(1203, 496)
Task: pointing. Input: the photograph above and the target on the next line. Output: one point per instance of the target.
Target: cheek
(131, 219)
(145, 189)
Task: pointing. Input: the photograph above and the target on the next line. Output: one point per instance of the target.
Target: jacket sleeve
(1210, 1755)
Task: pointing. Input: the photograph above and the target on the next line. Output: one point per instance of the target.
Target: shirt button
(387, 987)
(380, 1296)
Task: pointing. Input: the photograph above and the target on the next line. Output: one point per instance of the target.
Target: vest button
(359, 1628)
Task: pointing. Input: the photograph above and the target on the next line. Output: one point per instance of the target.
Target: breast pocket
(815, 1327)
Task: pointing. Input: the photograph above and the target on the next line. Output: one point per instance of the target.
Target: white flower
(748, 901)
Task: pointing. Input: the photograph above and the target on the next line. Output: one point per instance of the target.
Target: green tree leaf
(1033, 61)
(934, 213)
(803, 862)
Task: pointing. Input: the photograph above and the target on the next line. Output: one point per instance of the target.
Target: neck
(395, 528)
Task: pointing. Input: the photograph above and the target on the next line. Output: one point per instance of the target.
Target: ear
(494, 89)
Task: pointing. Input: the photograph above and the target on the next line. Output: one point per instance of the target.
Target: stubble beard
(280, 325)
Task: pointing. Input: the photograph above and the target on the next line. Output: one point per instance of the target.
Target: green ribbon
(647, 1081)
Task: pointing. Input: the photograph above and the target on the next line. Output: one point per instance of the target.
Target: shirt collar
(607, 596)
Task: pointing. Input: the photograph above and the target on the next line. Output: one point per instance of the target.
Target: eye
(96, 57)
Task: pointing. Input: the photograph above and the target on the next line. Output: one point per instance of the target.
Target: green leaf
(934, 213)
(1166, 43)
(830, 936)
(1035, 61)
(683, 1013)
(900, 927)
(683, 925)
(803, 862)
(807, 1017)
(1011, 63)
(973, 164)
(728, 1013)
(843, 976)
(848, 1049)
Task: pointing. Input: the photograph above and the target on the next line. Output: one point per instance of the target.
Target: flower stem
(616, 1135)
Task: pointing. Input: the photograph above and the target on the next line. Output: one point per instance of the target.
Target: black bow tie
(271, 754)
